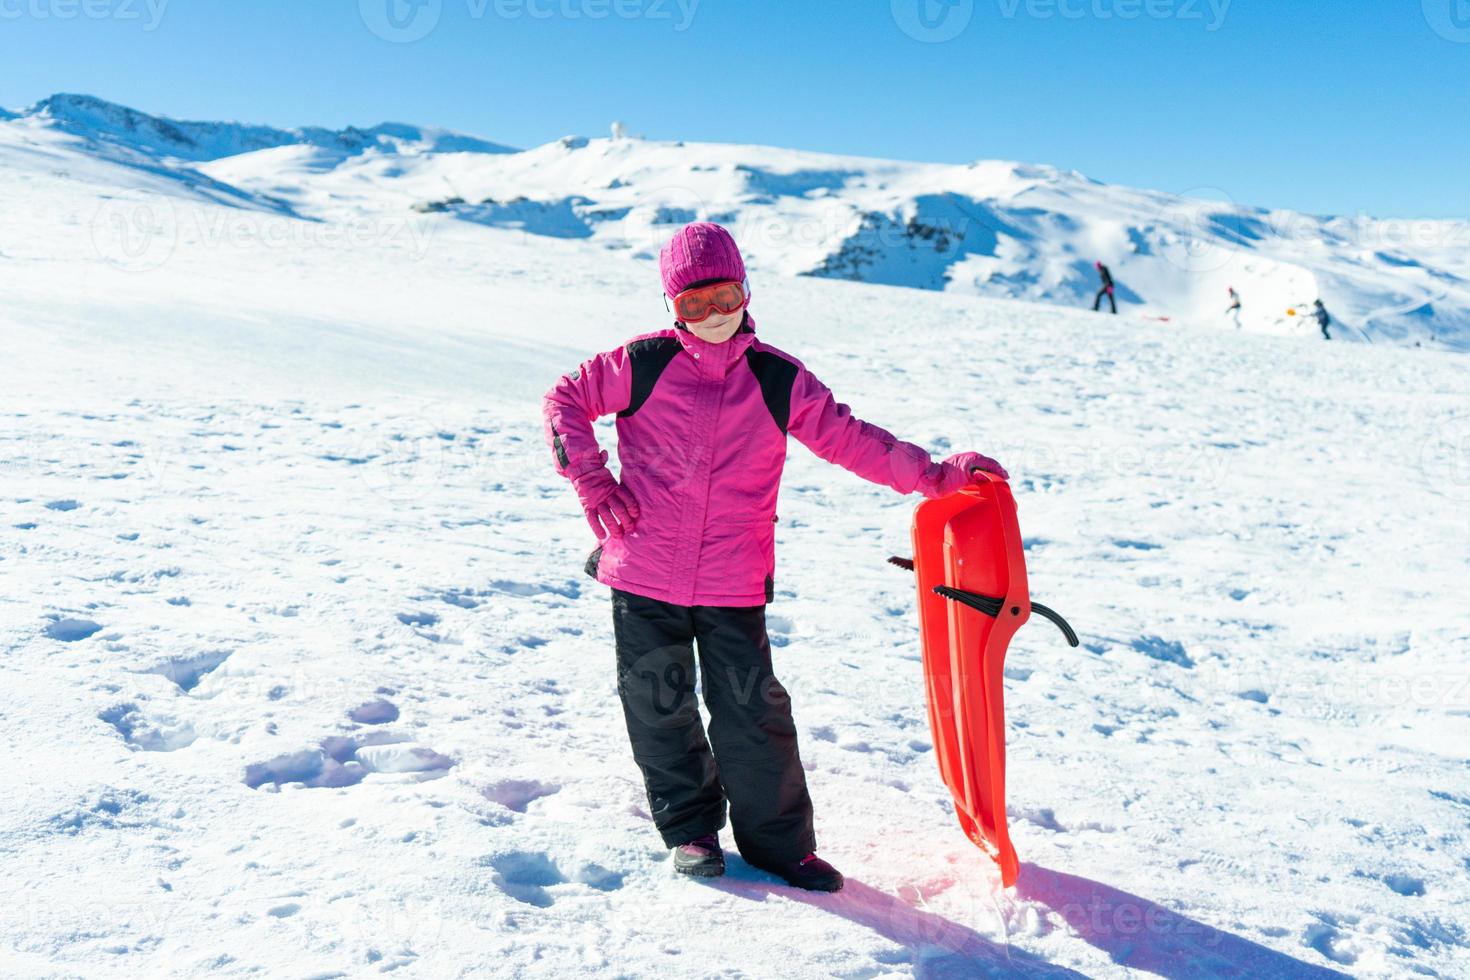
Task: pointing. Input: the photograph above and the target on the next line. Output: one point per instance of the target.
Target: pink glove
(943, 479)
(610, 508)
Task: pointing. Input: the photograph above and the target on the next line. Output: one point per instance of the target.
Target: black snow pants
(1097, 303)
(754, 766)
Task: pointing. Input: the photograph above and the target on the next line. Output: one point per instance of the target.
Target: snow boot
(811, 874)
(701, 857)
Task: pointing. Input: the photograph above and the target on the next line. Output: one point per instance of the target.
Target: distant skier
(687, 542)
(1234, 308)
(1106, 290)
(1323, 319)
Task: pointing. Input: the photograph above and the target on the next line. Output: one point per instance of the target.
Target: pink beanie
(697, 252)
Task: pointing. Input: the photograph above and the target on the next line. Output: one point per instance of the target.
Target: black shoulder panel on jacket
(777, 376)
(649, 357)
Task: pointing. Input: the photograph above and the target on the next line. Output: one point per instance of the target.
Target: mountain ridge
(987, 228)
(90, 116)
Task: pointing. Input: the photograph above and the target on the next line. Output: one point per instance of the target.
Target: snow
(303, 677)
(989, 228)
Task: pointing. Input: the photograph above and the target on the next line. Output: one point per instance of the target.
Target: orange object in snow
(973, 597)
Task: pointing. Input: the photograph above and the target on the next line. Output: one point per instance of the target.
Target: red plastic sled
(973, 597)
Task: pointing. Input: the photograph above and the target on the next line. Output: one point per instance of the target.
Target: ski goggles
(697, 305)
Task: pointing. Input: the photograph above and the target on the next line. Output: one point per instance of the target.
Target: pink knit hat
(697, 252)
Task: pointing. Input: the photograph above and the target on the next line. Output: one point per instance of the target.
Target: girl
(687, 543)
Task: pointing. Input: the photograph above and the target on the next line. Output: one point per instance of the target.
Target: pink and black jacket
(702, 434)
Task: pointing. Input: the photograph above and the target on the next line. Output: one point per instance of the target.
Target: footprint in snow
(374, 712)
(187, 672)
(1406, 885)
(161, 734)
(62, 505)
(70, 630)
(567, 590)
(1327, 940)
(110, 809)
(518, 794)
(1167, 651)
(525, 876)
(347, 760)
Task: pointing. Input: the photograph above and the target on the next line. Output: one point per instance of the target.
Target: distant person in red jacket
(1106, 290)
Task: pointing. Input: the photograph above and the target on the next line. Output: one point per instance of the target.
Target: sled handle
(1061, 623)
(990, 605)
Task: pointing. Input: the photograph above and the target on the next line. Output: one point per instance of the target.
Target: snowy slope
(106, 124)
(990, 228)
(302, 676)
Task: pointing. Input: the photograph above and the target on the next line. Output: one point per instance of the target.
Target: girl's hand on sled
(970, 462)
(959, 470)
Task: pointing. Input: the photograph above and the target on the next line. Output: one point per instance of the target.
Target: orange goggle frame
(696, 305)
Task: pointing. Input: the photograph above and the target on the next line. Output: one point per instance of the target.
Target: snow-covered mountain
(108, 125)
(988, 228)
(302, 675)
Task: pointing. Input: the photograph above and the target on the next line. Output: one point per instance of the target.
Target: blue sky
(1328, 106)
